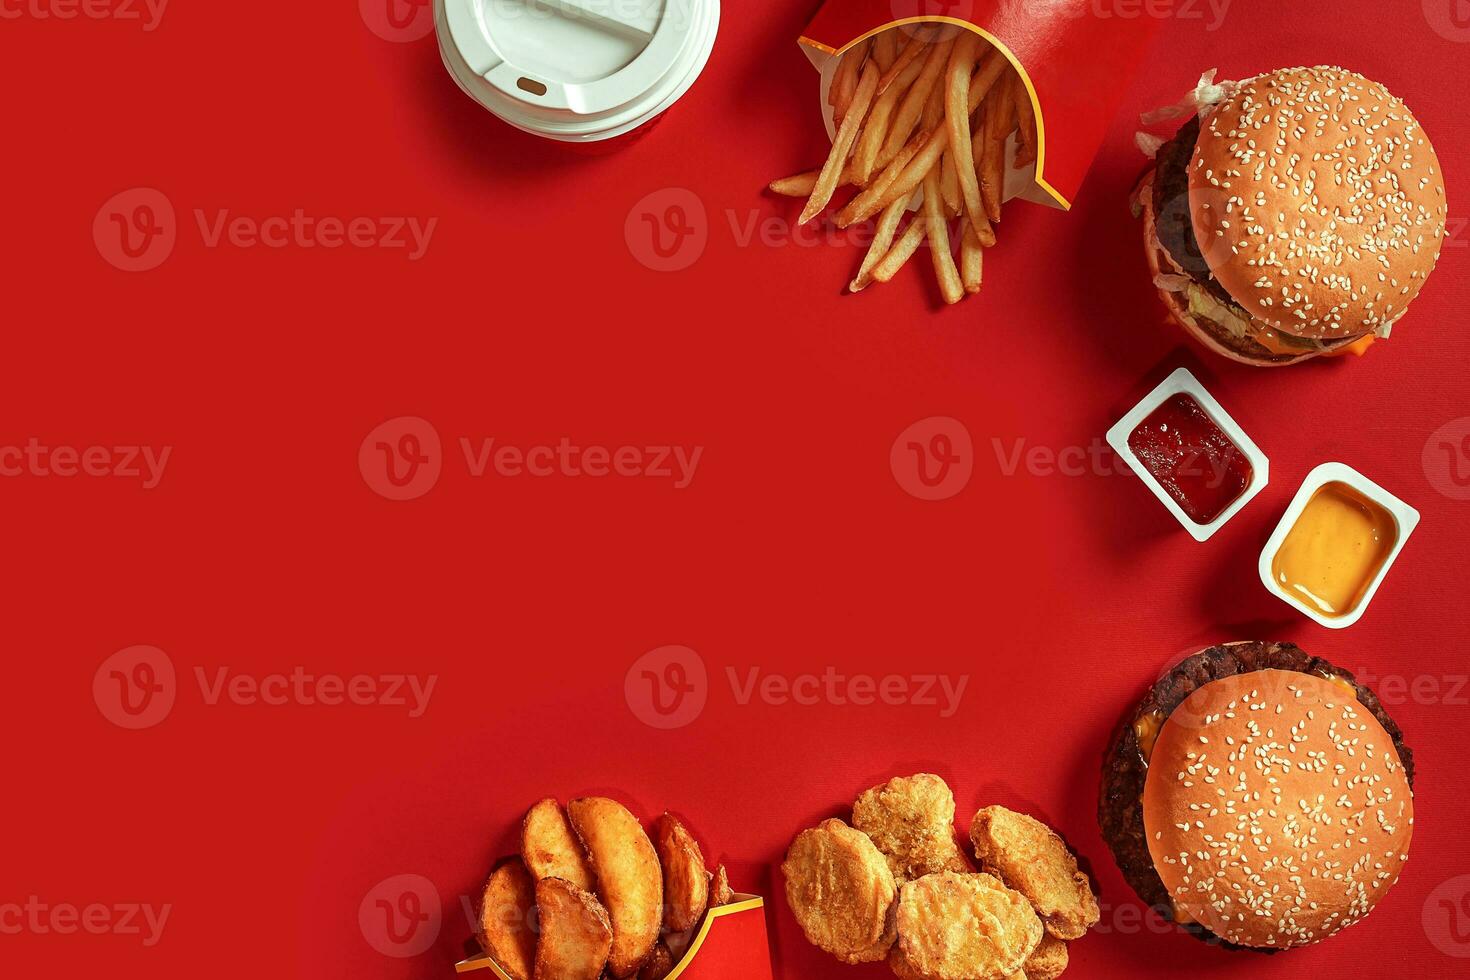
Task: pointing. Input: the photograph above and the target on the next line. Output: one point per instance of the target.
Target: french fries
(629, 879)
(857, 112)
(1026, 116)
(921, 110)
(972, 258)
(576, 935)
(865, 156)
(957, 116)
(844, 82)
(882, 241)
(915, 100)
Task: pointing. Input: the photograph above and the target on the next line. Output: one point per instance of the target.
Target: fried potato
(841, 892)
(844, 83)
(911, 109)
(903, 249)
(1030, 857)
(629, 880)
(550, 849)
(576, 935)
(1049, 961)
(831, 171)
(940, 249)
(720, 892)
(972, 257)
(686, 880)
(964, 927)
(911, 820)
(503, 919)
(659, 965)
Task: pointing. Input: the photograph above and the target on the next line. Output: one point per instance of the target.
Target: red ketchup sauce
(1192, 458)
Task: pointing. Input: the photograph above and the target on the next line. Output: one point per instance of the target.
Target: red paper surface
(276, 835)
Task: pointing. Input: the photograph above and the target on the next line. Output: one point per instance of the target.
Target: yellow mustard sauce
(1334, 551)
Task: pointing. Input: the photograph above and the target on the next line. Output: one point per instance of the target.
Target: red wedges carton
(1075, 57)
(731, 944)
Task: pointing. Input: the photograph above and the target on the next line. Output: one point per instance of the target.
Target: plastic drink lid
(576, 70)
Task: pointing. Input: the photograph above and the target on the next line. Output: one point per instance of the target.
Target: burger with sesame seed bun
(1295, 214)
(1259, 797)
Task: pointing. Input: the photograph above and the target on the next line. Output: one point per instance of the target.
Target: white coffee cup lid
(576, 69)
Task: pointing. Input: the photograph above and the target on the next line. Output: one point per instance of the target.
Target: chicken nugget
(659, 965)
(720, 892)
(550, 849)
(1049, 961)
(1033, 859)
(911, 820)
(841, 891)
(964, 927)
(576, 935)
(629, 880)
(503, 919)
(686, 880)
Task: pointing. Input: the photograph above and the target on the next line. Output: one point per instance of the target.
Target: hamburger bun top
(1318, 201)
(1276, 808)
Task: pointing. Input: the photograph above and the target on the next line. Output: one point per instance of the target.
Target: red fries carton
(730, 944)
(1075, 57)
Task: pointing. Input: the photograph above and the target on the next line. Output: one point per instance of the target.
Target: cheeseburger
(1259, 797)
(1295, 214)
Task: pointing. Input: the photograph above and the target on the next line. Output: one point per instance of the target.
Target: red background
(794, 549)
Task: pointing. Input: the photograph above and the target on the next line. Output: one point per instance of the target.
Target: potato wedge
(503, 919)
(630, 882)
(686, 880)
(550, 849)
(720, 892)
(576, 935)
(659, 965)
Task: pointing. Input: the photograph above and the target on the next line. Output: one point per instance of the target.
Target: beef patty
(1125, 768)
